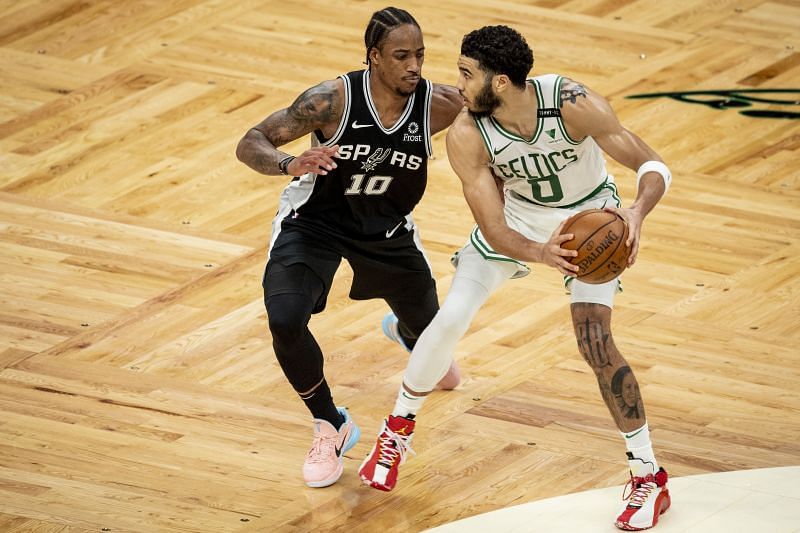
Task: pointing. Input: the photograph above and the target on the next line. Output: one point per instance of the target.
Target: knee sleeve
(295, 348)
(602, 293)
(288, 316)
(434, 350)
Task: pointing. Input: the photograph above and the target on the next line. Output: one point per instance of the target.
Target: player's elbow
(241, 149)
(245, 146)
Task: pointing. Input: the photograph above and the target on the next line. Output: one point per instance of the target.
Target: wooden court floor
(138, 387)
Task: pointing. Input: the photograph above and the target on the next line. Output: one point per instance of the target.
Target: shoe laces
(322, 448)
(641, 487)
(392, 446)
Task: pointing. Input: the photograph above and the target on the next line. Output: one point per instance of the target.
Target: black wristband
(283, 164)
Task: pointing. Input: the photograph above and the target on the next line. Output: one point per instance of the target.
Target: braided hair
(382, 23)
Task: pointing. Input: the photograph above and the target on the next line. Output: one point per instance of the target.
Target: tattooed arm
(586, 113)
(320, 107)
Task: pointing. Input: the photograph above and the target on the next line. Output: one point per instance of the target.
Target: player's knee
(592, 326)
(288, 317)
(452, 321)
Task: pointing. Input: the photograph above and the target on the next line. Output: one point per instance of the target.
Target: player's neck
(388, 103)
(518, 111)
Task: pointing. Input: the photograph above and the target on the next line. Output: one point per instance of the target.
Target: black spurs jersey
(381, 172)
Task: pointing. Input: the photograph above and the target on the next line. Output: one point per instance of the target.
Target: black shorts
(393, 268)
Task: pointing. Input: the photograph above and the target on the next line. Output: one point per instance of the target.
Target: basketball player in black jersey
(351, 197)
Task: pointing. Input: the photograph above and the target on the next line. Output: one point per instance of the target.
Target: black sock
(320, 403)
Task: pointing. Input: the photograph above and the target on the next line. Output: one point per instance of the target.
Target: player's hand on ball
(554, 255)
(317, 159)
(634, 220)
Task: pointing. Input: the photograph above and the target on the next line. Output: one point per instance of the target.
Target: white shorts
(478, 262)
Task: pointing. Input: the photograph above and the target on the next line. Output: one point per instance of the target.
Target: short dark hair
(383, 22)
(499, 50)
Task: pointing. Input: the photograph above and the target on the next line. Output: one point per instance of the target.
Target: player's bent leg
(648, 497)
(290, 295)
(430, 362)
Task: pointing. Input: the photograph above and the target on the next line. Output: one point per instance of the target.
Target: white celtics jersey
(551, 169)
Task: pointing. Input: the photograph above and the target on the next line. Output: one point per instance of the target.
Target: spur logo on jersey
(375, 157)
(411, 136)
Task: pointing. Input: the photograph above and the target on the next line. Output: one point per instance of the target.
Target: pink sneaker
(450, 380)
(324, 465)
(648, 500)
(379, 470)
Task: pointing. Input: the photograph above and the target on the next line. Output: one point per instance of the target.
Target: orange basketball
(600, 242)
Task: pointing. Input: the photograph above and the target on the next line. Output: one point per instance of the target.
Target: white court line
(754, 501)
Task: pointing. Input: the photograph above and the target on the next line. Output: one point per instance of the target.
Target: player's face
(630, 392)
(399, 60)
(475, 87)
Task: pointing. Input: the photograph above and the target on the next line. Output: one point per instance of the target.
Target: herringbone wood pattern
(138, 388)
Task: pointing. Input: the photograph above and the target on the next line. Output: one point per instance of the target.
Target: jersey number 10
(374, 185)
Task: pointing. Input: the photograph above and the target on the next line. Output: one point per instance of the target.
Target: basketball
(600, 242)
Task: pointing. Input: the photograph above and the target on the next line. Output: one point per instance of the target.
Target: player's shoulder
(464, 131)
(580, 104)
(579, 96)
(321, 103)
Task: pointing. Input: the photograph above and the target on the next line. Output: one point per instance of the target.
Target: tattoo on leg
(610, 401)
(592, 343)
(626, 392)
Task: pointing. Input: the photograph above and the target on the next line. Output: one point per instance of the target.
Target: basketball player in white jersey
(540, 141)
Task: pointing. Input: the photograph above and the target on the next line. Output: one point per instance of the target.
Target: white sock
(641, 459)
(407, 404)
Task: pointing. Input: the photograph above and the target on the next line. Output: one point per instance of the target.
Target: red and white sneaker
(324, 465)
(379, 470)
(649, 499)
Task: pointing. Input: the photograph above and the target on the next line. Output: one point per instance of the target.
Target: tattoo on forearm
(570, 93)
(313, 109)
(593, 344)
(265, 164)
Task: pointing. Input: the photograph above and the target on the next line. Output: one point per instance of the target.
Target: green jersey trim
(539, 122)
(485, 136)
(487, 253)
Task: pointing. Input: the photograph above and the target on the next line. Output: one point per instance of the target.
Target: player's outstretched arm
(587, 113)
(320, 107)
(469, 159)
